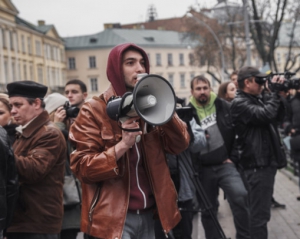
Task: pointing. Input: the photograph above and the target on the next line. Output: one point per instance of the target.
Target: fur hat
(53, 101)
(29, 89)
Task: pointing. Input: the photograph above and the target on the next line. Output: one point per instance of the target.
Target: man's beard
(202, 100)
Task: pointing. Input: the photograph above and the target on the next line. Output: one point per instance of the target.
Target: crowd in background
(67, 167)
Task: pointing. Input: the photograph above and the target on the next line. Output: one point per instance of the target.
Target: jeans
(229, 179)
(261, 183)
(24, 235)
(139, 226)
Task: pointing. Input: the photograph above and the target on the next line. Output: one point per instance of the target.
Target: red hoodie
(114, 66)
(141, 196)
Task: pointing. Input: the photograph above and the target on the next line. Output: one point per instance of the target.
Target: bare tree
(267, 17)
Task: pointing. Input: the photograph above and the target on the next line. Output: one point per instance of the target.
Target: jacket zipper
(137, 175)
(93, 204)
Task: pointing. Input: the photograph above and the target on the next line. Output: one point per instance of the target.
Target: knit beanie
(53, 101)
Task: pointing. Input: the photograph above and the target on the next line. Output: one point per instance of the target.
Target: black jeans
(184, 228)
(23, 235)
(226, 177)
(69, 234)
(261, 185)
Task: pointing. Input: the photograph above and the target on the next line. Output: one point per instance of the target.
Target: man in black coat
(217, 160)
(261, 154)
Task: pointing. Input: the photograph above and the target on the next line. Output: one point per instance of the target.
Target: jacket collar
(109, 93)
(36, 124)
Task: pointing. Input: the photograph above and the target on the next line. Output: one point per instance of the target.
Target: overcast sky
(83, 17)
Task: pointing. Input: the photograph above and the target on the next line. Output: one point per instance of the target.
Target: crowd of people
(130, 179)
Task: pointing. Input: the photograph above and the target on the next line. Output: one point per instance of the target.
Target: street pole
(217, 40)
(247, 35)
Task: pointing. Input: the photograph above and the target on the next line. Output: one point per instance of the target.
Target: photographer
(255, 122)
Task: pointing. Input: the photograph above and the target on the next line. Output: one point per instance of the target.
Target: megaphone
(153, 99)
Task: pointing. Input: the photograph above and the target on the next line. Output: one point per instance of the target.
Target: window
(4, 38)
(158, 59)
(181, 59)
(29, 45)
(6, 76)
(31, 72)
(192, 59)
(192, 75)
(94, 84)
(23, 43)
(72, 63)
(13, 69)
(11, 39)
(40, 74)
(182, 80)
(25, 71)
(92, 61)
(170, 59)
(38, 50)
(171, 79)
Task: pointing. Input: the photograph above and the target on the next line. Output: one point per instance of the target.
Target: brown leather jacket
(40, 154)
(105, 181)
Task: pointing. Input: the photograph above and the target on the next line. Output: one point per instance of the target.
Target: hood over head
(114, 66)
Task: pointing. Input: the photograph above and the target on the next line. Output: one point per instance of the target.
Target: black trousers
(23, 235)
(184, 228)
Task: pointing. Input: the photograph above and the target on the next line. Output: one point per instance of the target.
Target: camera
(71, 111)
(185, 113)
(288, 83)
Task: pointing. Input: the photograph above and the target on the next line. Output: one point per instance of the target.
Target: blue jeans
(139, 226)
(261, 184)
(229, 179)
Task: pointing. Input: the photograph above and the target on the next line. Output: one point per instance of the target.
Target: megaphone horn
(153, 99)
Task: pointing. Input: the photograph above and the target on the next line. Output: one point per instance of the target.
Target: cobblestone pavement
(284, 223)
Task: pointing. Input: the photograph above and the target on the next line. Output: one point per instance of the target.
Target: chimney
(41, 22)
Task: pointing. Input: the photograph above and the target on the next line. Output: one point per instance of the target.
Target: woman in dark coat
(8, 173)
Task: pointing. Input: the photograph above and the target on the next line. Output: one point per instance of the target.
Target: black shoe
(276, 204)
(298, 198)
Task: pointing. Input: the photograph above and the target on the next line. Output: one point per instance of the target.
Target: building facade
(28, 51)
(169, 52)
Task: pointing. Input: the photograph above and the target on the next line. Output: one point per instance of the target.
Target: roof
(145, 38)
(41, 29)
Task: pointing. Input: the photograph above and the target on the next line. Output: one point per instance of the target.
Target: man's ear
(38, 103)
(85, 94)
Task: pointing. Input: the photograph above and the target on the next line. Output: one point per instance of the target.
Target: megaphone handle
(130, 130)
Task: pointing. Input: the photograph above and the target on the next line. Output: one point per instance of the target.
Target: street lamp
(190, 15)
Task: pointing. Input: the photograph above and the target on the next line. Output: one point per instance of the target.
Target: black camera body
(288, 83)
(185, 113)
(71, 111)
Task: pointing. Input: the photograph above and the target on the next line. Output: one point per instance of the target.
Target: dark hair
(199, 78)
(233, 73)
(77, 82)
(223, 90)
(241, 83)
(31, 100)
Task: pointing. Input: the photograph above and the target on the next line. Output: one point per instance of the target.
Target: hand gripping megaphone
(153, 99)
